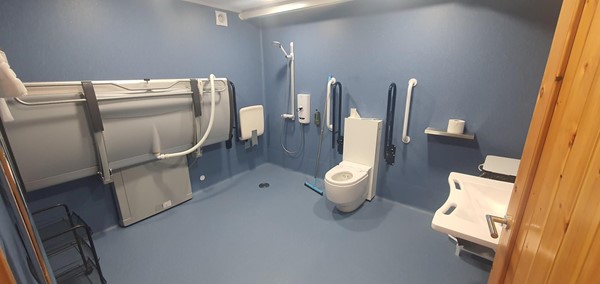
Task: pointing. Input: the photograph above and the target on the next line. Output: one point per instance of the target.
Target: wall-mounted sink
(463, 215)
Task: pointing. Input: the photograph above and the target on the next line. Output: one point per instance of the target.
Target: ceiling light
(285, 8)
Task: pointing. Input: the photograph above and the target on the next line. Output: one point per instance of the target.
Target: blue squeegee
(313, 187)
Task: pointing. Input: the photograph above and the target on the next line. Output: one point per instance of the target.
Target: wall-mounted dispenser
(304, 108)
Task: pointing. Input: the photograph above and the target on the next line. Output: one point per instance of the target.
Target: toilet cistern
(354, 180)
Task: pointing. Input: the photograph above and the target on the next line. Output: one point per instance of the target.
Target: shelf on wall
(433, 131)
(69, 246)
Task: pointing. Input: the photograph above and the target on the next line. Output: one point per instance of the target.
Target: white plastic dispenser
(304, 108)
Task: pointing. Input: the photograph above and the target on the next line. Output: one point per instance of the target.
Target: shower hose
(282, 140)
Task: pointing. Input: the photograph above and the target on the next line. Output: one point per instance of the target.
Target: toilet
(346, 185)
(353, 181)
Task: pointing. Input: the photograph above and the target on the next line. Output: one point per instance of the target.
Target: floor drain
(263, 185)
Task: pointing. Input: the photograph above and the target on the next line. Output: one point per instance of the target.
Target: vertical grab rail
(292, 115)
(330, 82)
(233, 117)
(337, 118)
(292, 83)
(390, 148)
(411, 84)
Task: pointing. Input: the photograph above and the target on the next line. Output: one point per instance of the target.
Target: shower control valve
(288, 116)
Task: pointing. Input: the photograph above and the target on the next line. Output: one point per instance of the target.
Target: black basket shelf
(69, 245)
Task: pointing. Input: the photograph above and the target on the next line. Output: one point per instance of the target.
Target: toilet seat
(347, 174)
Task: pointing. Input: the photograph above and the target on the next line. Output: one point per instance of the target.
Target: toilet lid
(346, 174)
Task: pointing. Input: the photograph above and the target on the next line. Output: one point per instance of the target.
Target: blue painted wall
(481, 61)
(477, 60)
(64, 40)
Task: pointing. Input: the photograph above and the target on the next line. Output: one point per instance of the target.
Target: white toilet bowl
(346, 185)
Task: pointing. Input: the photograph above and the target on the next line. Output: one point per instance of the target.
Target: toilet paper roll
(456, 126)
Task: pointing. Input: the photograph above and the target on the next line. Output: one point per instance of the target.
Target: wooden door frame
(558, 58)
(6, 274)
(27, 230)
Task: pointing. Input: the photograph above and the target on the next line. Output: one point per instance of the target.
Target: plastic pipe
(411, 83)
(208, 129)
(328, 104)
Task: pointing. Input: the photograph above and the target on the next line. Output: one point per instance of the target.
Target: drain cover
(263, 185)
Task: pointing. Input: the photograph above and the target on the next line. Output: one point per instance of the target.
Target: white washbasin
(470, 199)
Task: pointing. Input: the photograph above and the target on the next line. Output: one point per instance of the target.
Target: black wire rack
(68, 243)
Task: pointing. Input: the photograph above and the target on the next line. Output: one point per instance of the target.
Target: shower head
(278, 44)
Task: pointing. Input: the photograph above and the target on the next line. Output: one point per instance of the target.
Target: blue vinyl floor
(234, 232)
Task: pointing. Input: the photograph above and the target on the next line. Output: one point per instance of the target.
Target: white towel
(10, 85)
(3, 57)
(5, 112)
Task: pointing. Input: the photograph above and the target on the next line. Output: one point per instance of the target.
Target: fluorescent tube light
(285, 8)
(216, 4)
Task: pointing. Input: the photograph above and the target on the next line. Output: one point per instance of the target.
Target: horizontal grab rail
(119, 85)
(139, 92)
(113, 98)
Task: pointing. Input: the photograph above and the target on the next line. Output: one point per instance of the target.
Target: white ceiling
(238, 5)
